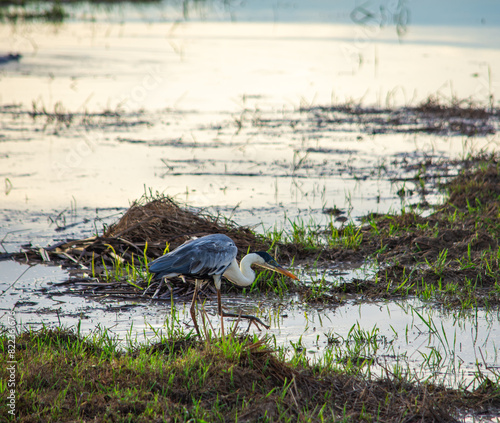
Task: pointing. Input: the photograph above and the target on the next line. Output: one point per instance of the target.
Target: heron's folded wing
(212, 255)
(201, 257)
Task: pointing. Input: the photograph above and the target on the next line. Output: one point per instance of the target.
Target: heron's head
(266, 261)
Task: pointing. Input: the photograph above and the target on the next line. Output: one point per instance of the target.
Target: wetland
(376, 182)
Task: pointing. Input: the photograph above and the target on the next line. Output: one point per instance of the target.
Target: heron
(214, 256)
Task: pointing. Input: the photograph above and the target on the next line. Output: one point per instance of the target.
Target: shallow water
(208, 112)
(421, 340)
(200, 137)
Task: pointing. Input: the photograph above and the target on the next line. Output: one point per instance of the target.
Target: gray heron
(214, 256)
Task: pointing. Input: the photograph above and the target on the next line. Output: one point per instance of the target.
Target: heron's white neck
(244, 274)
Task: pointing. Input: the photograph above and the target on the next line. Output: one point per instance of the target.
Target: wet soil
(444, 252)
(452, 252)
(246, 381)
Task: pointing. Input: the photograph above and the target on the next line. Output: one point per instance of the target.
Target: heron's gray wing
(202, 257)
(173, 263)
(212, 254)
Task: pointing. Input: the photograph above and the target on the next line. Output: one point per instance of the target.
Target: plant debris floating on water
(433, 116)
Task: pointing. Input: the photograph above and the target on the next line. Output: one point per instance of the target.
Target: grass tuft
(63, 376)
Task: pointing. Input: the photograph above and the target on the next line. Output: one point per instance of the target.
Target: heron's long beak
(286, 273)
(277, 268)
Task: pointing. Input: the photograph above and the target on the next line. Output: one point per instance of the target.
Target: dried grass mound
(153, 221)
(161, 220)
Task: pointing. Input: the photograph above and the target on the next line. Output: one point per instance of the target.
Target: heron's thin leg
(159, 287)
(253, 319)
(192, 310)
(221, 313)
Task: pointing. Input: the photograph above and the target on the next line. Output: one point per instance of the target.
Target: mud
(277, 389)
(442, 249)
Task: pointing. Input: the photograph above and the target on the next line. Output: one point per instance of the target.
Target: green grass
(308, 235)
(450, 256)
(64, 376)
(349, 237)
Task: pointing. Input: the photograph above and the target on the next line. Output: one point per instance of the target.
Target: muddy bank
(224, 379)
(450, 256)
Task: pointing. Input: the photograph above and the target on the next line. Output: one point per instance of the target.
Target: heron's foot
(255, 320)
(258, 322)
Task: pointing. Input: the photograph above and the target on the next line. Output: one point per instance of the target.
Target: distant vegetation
(51, 10)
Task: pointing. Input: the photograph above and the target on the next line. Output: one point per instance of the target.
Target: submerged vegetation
(434, 115)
